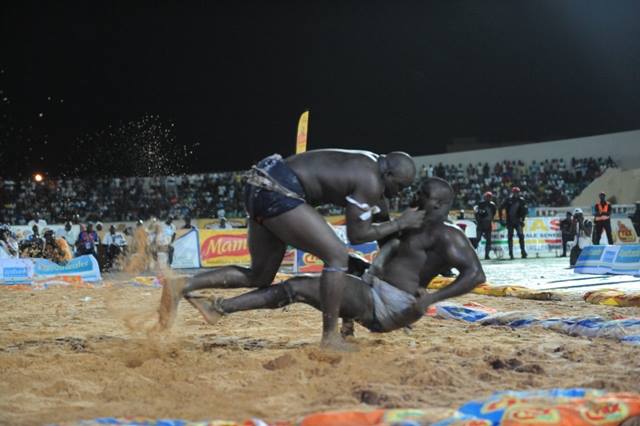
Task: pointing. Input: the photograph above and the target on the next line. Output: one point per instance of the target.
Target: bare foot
(171, 294)
(335, 342)
(210, 308)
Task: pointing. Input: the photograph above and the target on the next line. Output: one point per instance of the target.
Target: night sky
(101, 87)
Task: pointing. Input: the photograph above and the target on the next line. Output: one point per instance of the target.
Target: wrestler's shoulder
(450, 230)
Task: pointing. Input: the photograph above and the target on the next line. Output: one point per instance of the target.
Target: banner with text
(542, 236)
(228, 247)
(614, 259)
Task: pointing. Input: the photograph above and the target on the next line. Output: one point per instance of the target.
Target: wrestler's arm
(385, 253)
(360, 225)
(456, 252)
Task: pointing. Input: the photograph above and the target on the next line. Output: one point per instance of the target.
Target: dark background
(204, 86)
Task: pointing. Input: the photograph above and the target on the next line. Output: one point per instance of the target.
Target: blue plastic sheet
(625, 330)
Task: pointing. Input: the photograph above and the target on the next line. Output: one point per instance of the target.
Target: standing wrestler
(390, 294)
(515, 209)
(280, 196)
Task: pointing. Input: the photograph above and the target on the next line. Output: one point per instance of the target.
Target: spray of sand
(143, 256)
(139, 258)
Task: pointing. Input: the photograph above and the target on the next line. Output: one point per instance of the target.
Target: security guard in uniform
(602, 219)
(484, 212)
(515, 209)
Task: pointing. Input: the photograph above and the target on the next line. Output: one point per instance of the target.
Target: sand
(69, 354)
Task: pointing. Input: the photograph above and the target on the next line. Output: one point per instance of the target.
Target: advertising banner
(627, 261)
(622, 231)
(303, 130)
(186, 251)
(212, 223)
(224, 247)
(16, 271)
(85, 267)
(209, 248)
(614, 259)
(307, 263)
(542, 238)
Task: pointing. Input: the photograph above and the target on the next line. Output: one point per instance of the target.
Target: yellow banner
(224, 247)
(303, 128)
(212, 223)
(221, 247)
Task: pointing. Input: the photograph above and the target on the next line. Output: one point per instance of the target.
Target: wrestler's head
(436, 198)
(398, 172)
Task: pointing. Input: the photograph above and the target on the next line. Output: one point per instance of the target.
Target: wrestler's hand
(411, 219)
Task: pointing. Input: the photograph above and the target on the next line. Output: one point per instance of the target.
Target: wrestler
(279, 197)
(390, 294)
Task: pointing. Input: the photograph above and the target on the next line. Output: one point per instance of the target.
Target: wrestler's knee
(258, 279)
(338, 260)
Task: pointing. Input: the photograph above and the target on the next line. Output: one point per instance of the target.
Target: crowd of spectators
(550, 183)
(121, 199)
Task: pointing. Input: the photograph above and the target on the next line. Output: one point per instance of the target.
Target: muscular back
(328, 176)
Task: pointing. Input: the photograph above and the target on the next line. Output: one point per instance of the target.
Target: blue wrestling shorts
(272, 189)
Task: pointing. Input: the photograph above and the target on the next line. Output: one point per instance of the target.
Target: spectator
(115, 244)
(56, 249)
(33, 246)
(550, 183)
(223, 224)
(187, 223)
(582, 229)
(70, 234)
(515, 210)
(566, 229)
(166, 236)
(602, 218)
(484, 212)
(87, 242)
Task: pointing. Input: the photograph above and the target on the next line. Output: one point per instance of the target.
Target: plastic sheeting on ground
(553, 407)
(559, 407)
(626, 330)
(612, 298)
(500, 291)
(145, 421)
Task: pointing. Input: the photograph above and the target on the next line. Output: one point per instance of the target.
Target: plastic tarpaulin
(549, 407)
(552, 407)
(626, 330)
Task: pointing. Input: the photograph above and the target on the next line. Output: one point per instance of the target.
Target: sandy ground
(69, 354)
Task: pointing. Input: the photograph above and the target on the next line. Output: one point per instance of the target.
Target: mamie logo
(224, 245)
